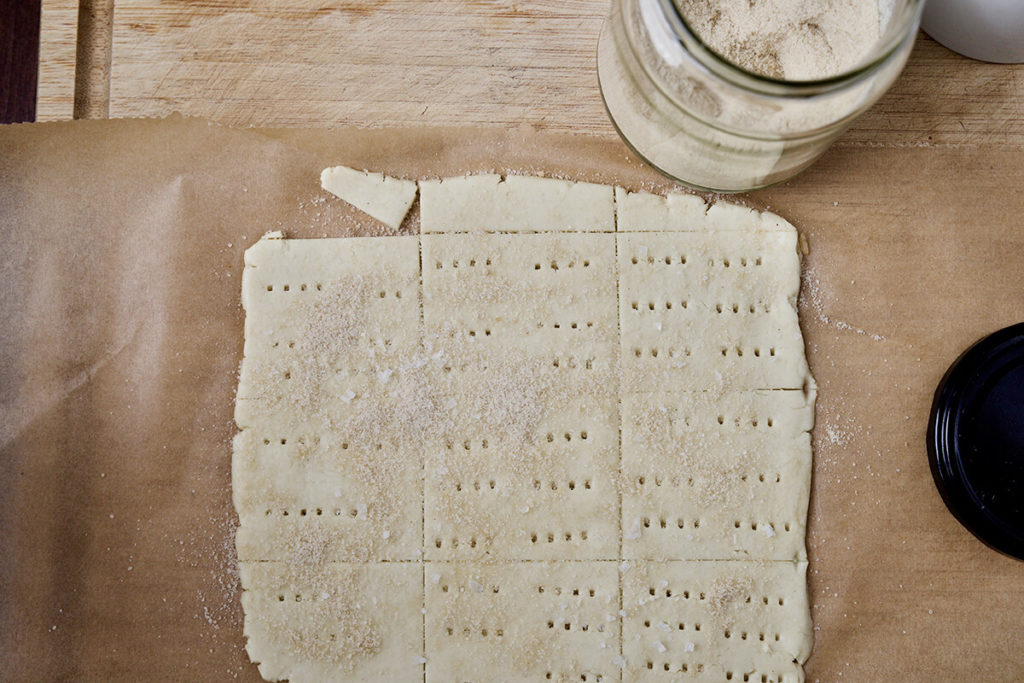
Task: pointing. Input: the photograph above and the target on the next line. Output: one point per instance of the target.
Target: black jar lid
(976, 440)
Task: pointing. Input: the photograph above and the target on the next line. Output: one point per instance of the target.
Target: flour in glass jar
(793, 40)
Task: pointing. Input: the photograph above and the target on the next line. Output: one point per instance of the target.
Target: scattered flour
(797, 40)
(812, 296)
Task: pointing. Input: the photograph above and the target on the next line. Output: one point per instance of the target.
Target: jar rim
(905, 27)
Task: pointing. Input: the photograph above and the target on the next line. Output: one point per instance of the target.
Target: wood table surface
(408, 62)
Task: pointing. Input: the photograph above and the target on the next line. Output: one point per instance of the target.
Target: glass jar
(714, 126)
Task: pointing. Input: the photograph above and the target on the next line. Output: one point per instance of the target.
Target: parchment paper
(121, 335)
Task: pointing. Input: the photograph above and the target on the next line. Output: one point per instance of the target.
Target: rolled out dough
(563, 434)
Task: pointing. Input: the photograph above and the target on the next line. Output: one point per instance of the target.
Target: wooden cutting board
(406, 62)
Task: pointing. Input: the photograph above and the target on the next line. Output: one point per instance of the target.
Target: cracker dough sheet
(561, 434)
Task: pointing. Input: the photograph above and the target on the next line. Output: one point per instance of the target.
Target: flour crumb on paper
(817, 300)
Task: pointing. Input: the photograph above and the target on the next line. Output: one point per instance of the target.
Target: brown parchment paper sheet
(121, 335)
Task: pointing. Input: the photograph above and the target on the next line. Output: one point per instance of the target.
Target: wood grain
(367, 64)
(406, 62)
(58, 38)
(945, 99)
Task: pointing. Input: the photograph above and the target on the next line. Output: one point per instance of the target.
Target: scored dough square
(547, 494)
(488, 296)
(716, 476)
(715, 621)
(319, 311)
(334, 621)
(699, 311)
(531, 621)
(326, 492)
(287, 282)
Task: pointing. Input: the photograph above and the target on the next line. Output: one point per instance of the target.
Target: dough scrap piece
(334, 621)
(715, 620)
(531, 621)
(487, 203)
(385, 198)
